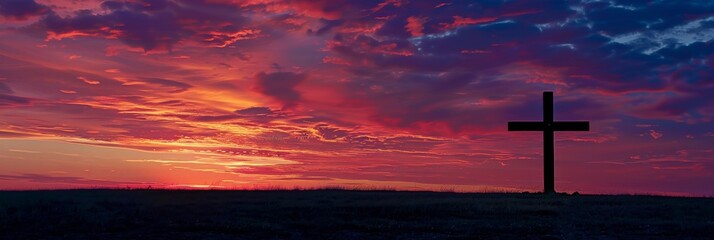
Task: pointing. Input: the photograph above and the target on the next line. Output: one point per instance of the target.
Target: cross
(548, 126)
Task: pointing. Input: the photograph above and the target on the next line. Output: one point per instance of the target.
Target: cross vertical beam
(548, 107)
(548, 127)
(548, 144)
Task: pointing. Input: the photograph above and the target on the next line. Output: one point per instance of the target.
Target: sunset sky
(404, 94)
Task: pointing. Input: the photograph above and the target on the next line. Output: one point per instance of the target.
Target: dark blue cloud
(631, 16)
(21, 9)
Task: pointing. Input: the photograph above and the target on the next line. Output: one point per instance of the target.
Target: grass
(344, 214)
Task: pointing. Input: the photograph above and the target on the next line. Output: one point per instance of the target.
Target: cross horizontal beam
(526, 126)
(543, 126)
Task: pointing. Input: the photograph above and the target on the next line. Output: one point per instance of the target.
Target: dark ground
(334, 214)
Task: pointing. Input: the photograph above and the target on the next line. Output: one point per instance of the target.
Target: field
(340, 214)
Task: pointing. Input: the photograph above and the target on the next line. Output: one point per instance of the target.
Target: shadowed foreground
(165, 214)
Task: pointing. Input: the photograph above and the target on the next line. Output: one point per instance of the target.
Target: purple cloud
(153, 24)
(21, 9)
(280, 86)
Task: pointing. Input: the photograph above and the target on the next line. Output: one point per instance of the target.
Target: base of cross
(558, 194)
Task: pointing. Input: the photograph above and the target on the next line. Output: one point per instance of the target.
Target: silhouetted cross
(547, 126)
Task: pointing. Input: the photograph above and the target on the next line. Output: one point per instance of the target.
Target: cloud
(21, 9)
(555, 35)
(153, 24)
(42, 178)
(326, 9)
(327, 26)
(655, 134)
(176, 85)
(11, 100)
(4, 89)
(137, 29)
(6, 134)
(280, 86)
(612, 17)
(254, 111)
(331, 133)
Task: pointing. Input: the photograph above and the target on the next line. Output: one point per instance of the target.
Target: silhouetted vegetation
(340, 214)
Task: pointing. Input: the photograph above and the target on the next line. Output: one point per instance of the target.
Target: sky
(395, 94)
